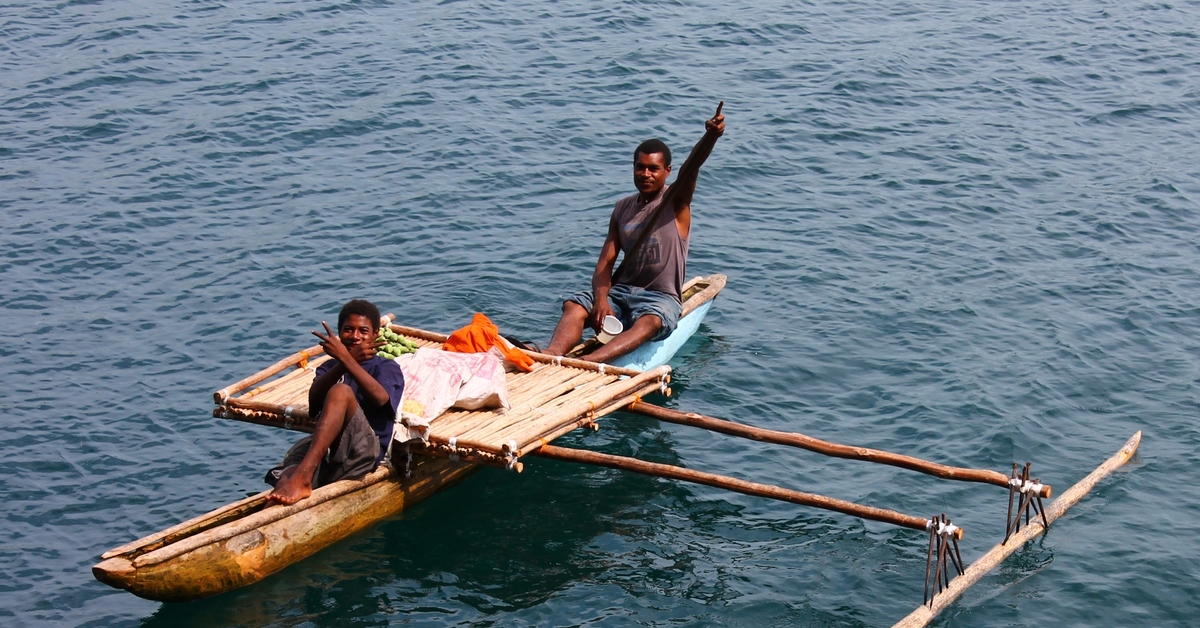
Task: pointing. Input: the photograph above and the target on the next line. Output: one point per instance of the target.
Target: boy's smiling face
(357, 329)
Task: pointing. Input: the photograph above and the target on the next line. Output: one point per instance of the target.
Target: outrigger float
(246, 541)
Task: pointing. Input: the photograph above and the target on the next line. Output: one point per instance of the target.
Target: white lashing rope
(453, 448)
(942, 528)
(1026, 486)
(510, 456)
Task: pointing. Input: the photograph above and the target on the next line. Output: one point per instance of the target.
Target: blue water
(964, 231)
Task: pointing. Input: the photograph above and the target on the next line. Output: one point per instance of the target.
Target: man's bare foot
(291, 488)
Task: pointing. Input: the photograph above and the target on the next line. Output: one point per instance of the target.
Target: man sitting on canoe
(356, 394)
(646, 294)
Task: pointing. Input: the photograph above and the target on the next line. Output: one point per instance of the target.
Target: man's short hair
(649, 147)
(362, 307)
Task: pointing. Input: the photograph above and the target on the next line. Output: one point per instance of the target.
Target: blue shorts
(629, 304)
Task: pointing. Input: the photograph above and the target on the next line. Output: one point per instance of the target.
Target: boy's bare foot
(291, 488)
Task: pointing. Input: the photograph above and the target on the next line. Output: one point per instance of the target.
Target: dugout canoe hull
(197, 559)
(657, 353)
(698, 296)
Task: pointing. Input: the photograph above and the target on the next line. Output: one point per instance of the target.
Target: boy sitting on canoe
(645, 291)
(354, 398)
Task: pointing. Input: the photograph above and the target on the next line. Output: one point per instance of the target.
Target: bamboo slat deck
(559, 395)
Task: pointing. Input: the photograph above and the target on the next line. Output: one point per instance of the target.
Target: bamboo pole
(293, 391)
(519, 405)
(221, 396)
(549, 386)
(260, 417)
(537, 357)
(925, 614)
(532, 407)
(827, 448)
(565, 416)
(583, 390)
(420, 334)
(581, 364)
(524, 381)
(617, 404)
(456, 416)
(298, 411)
(553, 417)
(733, 484)
(273, 384)
(539, 400)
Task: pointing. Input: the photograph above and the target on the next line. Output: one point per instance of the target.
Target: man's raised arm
(685, 181)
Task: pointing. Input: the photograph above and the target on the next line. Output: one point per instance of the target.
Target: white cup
(609, 329)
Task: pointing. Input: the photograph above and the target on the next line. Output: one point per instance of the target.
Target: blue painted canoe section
(658, 353)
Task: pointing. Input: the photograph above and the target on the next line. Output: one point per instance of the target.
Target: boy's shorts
(629, 304)
(350, 457)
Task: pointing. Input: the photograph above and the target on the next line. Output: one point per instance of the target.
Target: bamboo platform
(557, 396)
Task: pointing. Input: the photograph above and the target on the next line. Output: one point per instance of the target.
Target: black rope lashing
(1029, 501)
(943, 554)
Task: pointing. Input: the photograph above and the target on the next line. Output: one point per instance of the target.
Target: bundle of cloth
(468, 372)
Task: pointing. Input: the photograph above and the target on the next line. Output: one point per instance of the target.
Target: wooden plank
(925, 614)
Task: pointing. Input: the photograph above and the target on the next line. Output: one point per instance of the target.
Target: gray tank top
(662, 262)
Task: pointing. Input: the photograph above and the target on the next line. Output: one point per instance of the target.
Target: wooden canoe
(698, 295)
(246, 541)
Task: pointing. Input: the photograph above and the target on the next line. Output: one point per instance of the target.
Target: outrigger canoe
(246, 541)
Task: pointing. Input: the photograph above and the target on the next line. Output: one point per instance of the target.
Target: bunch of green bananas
(397, 345)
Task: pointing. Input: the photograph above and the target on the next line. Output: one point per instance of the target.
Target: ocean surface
(964, 231)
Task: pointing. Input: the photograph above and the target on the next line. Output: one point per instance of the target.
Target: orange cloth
(480, 336)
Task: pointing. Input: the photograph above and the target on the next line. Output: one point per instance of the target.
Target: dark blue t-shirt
(382, 418)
